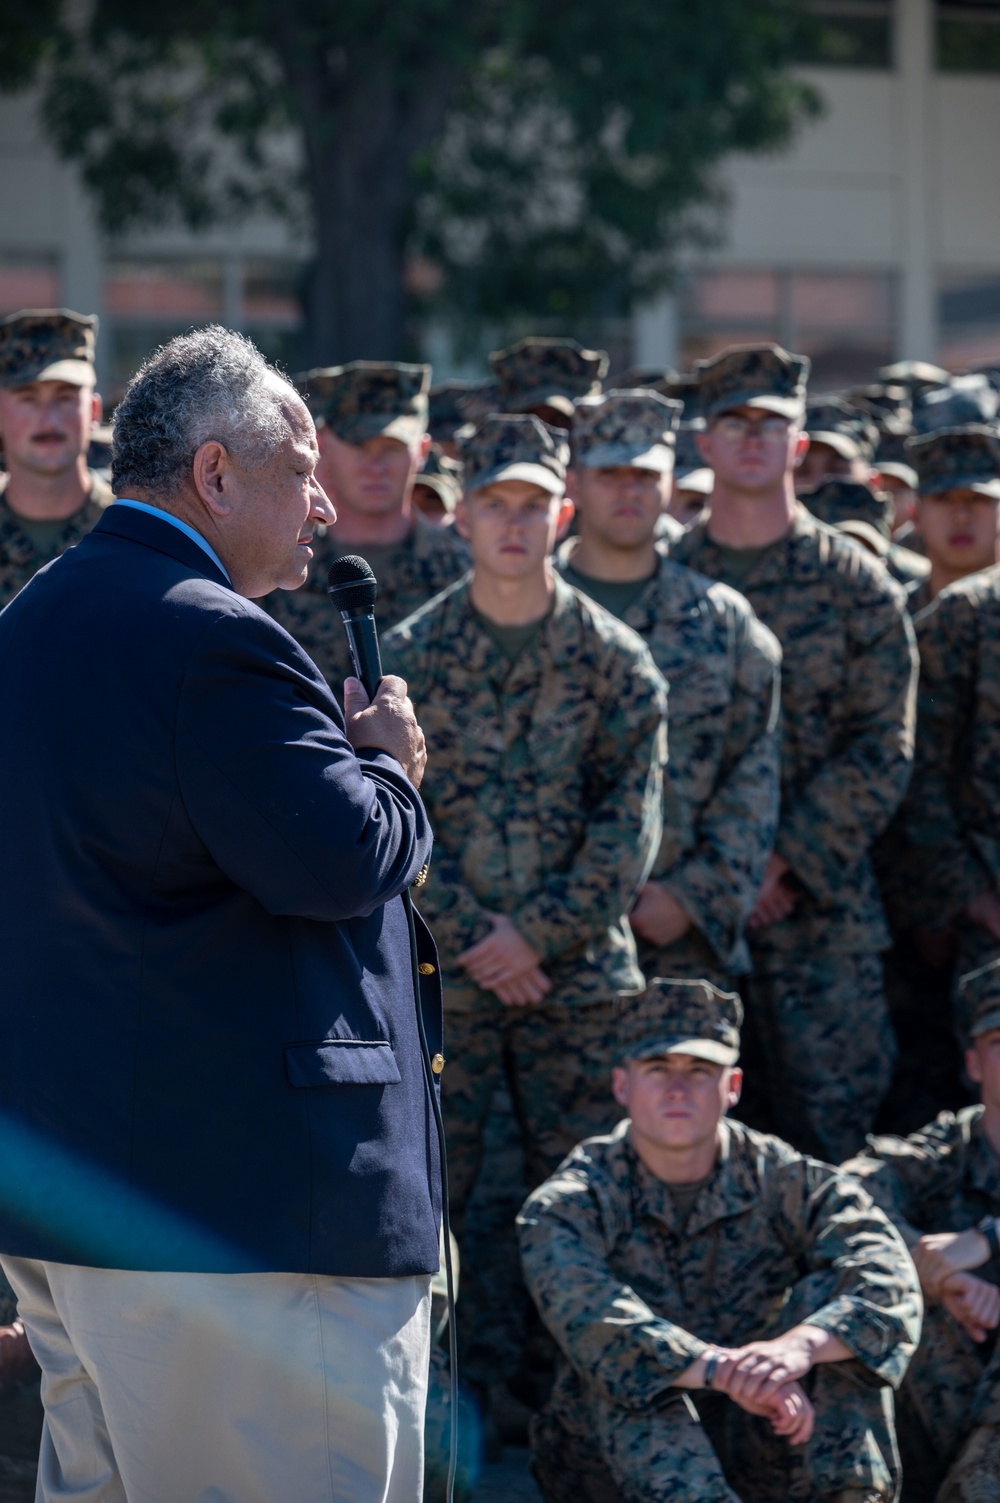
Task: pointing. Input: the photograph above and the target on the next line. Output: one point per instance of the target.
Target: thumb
(355, 698)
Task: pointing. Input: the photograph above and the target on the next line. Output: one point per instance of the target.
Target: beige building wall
(876, 236)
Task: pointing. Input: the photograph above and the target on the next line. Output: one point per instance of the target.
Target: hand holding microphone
(377, 711)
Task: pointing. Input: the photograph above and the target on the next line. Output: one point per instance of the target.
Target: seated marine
(941, 1189)
(732, 1316)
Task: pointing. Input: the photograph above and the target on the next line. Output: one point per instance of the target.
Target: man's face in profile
(278, 509)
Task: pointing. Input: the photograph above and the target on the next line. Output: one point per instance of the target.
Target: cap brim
(406, 428)
(656, 457)
(716, 1054)
(960, 483)
(789, 407)
(985, 1024)
(73, 372)
(533, 474)
(557, 400)
(700, 481)
(901, 472)
(840, 443)
(443, 489)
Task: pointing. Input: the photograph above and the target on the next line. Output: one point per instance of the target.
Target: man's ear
(96, 407)
(566, 510)
(423, 449)
(704, 446)
(211, 472)
(461, 523)
(619, 1084)
(735, 1090)
(972, 1066)
(801, 449)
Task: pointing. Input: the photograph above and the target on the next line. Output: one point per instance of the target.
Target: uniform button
(425, 968)
(437, 1063)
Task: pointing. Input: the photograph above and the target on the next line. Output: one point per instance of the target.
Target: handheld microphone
(352, 587)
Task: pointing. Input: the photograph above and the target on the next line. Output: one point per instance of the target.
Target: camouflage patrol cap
(965, 400)
(441, 475)
(369, 399)
(700, 482)
(634, 428)
(979, 999)
(444, 409)
(845, 429)
(47, 344)
(965, 459)
(508, 447)
(887, 403)
(914, 374)
(837, 501)
(681, 1017)
(482, 398)
(541, 372)
(753, 375)
(655, 377)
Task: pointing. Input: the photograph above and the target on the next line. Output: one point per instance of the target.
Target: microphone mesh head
(351, 584)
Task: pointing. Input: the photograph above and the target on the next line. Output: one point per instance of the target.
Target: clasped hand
(944, 1263)
(504, 963)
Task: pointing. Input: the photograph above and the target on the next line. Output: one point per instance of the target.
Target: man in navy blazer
(219, 1192)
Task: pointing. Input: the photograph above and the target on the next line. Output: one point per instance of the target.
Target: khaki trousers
(226, 1388)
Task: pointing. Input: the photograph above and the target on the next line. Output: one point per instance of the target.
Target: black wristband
(711, 1363)
(988, 1227)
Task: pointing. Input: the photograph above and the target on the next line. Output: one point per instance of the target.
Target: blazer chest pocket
(341, 1062)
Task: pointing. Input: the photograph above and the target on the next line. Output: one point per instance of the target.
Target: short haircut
(211, 384)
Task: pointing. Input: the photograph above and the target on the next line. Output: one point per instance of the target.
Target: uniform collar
(732, 1189)
(800, 555)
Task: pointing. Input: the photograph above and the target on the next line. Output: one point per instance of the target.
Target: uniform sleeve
(607, 1333)
(274, 789)
(944, 869)
(904, 1175)
(624, 822)
(717, 883)
(858, 789)
(870, 1295)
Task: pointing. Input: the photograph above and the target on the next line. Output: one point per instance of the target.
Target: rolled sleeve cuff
(875, 1339)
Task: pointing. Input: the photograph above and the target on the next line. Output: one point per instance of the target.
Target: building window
(147, 301)
(969, 320)
(968, 36)
(848, 34)
(28, 281)
(844, 321)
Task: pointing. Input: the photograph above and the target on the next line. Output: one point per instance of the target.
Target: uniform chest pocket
(698, 689)
(563, 740)
(814, 658)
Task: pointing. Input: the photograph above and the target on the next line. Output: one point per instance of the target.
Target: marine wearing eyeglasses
(815, 996)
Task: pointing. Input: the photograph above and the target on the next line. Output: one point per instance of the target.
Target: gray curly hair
(209, 384)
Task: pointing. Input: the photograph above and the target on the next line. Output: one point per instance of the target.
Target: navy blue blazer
(209, 1055)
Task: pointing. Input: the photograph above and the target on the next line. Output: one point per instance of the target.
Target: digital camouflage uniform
(946, 1178)
(543, 786)
(944, 846)
(20, 559)
(816, 995)
(839, 501)
(634, 1293)
(368, 399)
(539, 372)
(723, 669)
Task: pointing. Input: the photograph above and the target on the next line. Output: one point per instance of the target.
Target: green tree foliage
(537, 160)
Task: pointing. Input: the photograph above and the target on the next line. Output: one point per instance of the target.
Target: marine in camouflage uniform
(36, 345)
(544, 789)
(946, 1179)
(840, 503)
(357, 402)
(646, 1285)
(723, 668)
(941, 853)
(816, 996)
(547, 377)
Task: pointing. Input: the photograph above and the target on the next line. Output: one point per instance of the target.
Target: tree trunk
(361, 136)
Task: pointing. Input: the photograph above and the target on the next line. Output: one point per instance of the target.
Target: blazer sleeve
(273, 787)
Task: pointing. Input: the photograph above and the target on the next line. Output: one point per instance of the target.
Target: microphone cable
(352, 586)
